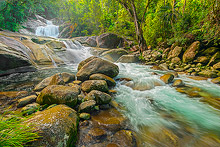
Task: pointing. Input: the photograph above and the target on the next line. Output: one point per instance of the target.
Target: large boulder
(191, 52)
(109, 40)
(114, 54)
(10, 61)
(99, 97)
(57, 126)
(59, 94)
(90, 85)
(97, 65)
(128, 59)
(57, 79)
(109, 80)
(175, 52)
(91, 41)
(84, 62)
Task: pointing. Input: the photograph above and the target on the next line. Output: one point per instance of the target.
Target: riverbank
(131, 107)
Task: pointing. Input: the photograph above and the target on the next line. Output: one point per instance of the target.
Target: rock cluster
(61, 102)
(194, 60)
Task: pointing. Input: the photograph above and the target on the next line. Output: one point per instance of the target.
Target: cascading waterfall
(50, 30)
(74, 52)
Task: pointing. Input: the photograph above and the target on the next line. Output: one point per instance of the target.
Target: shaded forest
(149, 22)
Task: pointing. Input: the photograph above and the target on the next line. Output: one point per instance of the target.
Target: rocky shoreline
(79, 109)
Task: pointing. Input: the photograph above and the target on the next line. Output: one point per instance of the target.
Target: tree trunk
(138, 30)
(184, 6)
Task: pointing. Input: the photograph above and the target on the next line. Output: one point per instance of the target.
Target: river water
(160, 114)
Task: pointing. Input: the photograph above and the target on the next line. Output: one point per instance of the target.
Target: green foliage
(13, 132)
(178, 21)
(14, 12)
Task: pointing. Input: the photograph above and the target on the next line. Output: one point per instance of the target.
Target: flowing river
(163, 110)
(161, 115)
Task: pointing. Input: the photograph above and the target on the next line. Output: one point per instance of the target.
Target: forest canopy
(156, 20)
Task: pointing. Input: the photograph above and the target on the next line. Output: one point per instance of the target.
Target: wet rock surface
(97, 65)
(57, 126)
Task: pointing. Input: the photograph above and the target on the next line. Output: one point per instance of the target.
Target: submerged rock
(110, 119)
(97, 65)
(124, 138)
(56, 126)
(97, 133)
(99, 97)
(59, 94)
(109, 80)
(167, 78)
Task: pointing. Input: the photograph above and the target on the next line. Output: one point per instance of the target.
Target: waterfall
(50, 30)
(74, 52)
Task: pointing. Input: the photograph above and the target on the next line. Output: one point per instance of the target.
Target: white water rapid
(74, 53)
(50, 30)
(161, 108)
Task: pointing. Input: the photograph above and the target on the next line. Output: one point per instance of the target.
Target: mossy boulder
(167, 78)
(191, 52)
(99, 97)
(114, 54)
(175, 52)
(59, 94)
(57, 126)
(109, 80)
(97, 65)
(90, 85)
(87, 106)
(85, 116)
